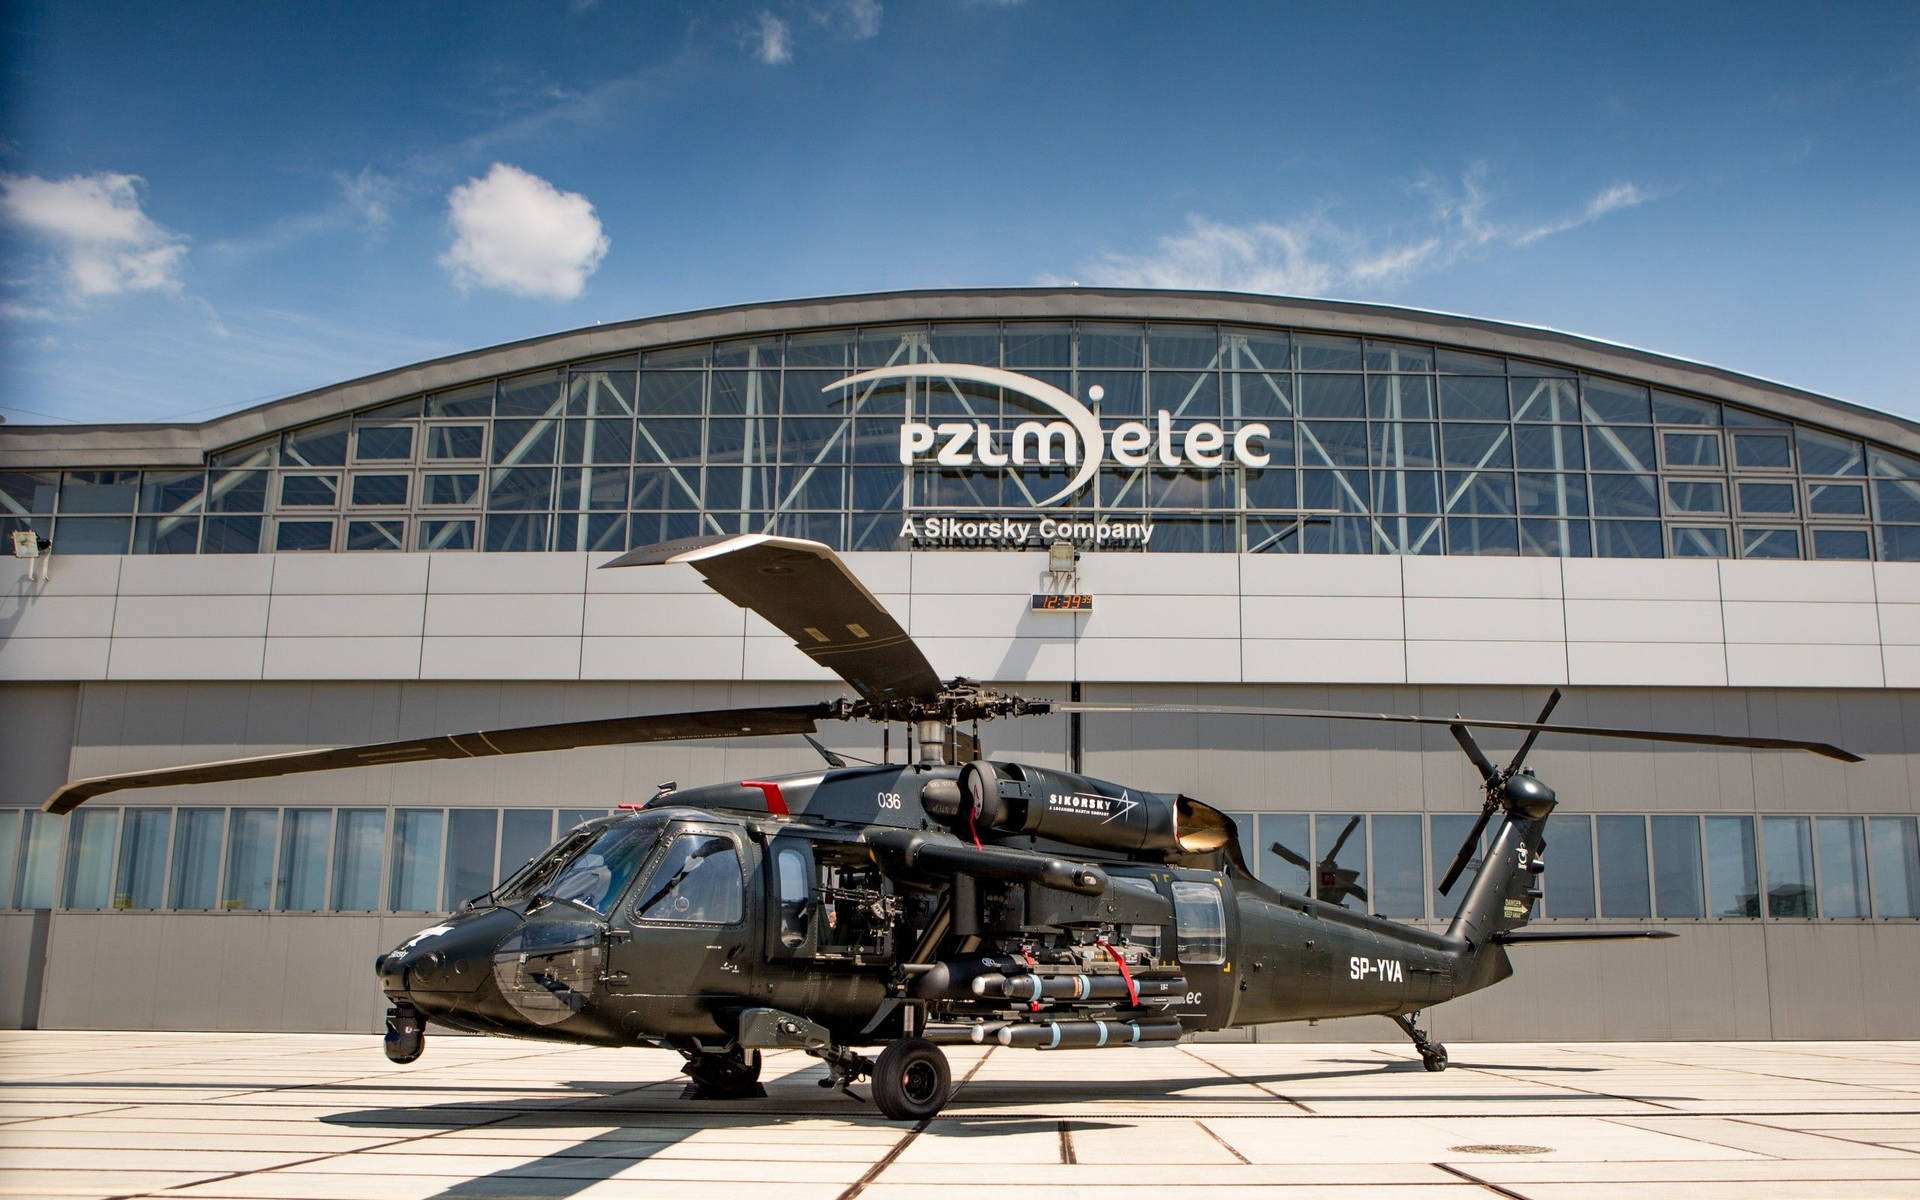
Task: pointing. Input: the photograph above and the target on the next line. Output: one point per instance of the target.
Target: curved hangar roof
(1729, 464)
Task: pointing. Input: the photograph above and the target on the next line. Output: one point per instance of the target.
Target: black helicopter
(949, 900)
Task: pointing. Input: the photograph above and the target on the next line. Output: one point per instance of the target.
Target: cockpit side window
(697, 881)
(1200, 923)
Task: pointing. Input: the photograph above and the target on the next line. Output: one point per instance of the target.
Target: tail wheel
(1434, 1059)
(911, 1080)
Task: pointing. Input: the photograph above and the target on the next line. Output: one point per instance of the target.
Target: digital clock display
(1062, 602)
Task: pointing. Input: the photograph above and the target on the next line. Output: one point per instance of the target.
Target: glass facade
(1612, 866)
(1372, 447)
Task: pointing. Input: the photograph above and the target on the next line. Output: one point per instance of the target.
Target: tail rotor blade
(1488, 772)
(1546, 711)
(1467, 849)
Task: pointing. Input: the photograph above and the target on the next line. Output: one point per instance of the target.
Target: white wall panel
(67, 575)
(1896, 583)
(1516, 578)
(196, 574)
(500, 658)
(661, 658)
(985, 616)
(1484, 619)
(1199, 660)
(1640, 579)
(186, 657)
(1320, 575)
(342, 658)
(1157, 574)
(361, 574)
(495, 574)
(1002, 659)
(1643, 621)
(1801, 622)
(53, 658)
(505, 616)
(1310, 661)
(1316, 618)
(1901, 663)
(1486, 662)
(346, 616)
(1804, 666)
(1161, 616)
(663, 614)
(1900, 624)
(1661, 664)
(1840, 582)
(139, 616)
(55, 616)
(966, 573)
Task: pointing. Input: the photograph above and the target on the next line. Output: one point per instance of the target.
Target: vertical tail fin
(1502, 894)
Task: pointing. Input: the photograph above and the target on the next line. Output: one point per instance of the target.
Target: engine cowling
(1076, 809)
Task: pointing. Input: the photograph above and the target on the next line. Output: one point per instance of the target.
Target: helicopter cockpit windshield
(589, 869)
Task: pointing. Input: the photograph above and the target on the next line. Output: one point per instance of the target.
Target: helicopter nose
(454, 956)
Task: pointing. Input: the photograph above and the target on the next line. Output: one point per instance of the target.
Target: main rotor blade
(1546, 710)
(527, 739)
(1467, 849)
(1340, 841)
(1824, 749)
(805, 591)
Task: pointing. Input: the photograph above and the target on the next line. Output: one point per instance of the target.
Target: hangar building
(1274, 501)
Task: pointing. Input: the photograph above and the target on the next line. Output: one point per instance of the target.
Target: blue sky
(204, 206)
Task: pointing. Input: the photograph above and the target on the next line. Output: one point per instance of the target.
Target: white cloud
(1311, 254)
(369, 195)
(105, 244)
(770, 40)
(857, 19)
(516, 232)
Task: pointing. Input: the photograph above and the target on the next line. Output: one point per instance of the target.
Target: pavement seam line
(886, 1160)
(1224, 1143)
(1495, 1188)
(1066, 1144)
(1189, 1052)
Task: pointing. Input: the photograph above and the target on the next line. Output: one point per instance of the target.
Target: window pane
(309, 491)
(93, 535)
(1691, 449)
(456, 441)
(1766, 498)
(359, 844)
(376, 535)
(1568, 850)
(1340, 864)
(1549, 447)
(1836, 499)
(9, 853)
(1676, 866)
(451, 488)
(250, 849)
(1822, 454)
(1733, 882)
(1762, 450)
(1843, 866)
(140, 881)
(469, 855)
(1789, 844)
(1449, 830)
(1896, 866)
(90, 840)
(303, 535)
(1696, 496)
(1620, 448)
(1285, 842)
(1200, 923)
(446, 535)
(383, 443)
(1841, 543)
(524, 832)
(1326, 353)
(698, 881)
(1704, 542)
(415, 883)
(304, 837)
(1627, 539)
(1625, 496)
(1769, 543)
(380, 490)
(1327, 396)
(1469, 399)
(1400, 398)
(196, 857)
(1623, 866)
(1399, 889)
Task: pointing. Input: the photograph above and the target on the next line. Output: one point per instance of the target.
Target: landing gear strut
(1433, 1055)
(731, 1074)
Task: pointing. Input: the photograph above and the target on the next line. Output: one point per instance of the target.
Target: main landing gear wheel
(911, 1080)
(734, 1075)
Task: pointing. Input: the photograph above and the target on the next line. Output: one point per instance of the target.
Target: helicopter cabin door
(1204, 948)
(685, 957)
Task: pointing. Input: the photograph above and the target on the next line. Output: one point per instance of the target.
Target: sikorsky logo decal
(1092, 804)
(1075, 440)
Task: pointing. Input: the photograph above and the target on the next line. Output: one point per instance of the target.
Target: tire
(725, 1076)
(911, 1080)
(1435, 1059)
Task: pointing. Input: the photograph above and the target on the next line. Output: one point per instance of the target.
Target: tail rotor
(1495, 781)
